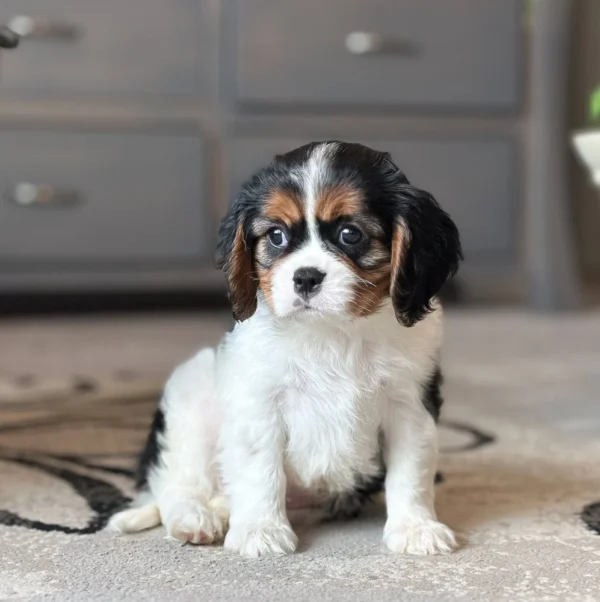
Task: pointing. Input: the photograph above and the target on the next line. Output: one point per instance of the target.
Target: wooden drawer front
(406, 53)
(102, 197)
(125, 47)
(474, 180)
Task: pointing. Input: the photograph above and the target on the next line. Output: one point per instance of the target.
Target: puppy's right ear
(234, 257)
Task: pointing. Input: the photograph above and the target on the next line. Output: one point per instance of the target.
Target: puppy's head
(334, 229)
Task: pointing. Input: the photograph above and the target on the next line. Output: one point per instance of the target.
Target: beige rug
(520, 463)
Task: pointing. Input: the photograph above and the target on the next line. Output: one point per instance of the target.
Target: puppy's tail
(135, 519)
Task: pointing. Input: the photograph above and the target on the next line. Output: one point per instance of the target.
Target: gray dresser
(126, 127)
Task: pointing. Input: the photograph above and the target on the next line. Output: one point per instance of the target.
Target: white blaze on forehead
(337, 289)
(314, 175)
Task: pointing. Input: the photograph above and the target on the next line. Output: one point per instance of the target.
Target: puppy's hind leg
(185, 482)
(178, 466)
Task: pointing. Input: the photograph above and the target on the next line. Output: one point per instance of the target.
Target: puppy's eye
(277, 238)
(349, 236)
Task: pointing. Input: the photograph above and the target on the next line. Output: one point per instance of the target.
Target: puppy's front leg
(252, 450)
(411, 458)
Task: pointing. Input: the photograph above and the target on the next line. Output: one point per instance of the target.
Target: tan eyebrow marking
(284, 206)
(338, 201)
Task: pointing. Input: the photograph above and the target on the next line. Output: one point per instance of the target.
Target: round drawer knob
(26, 194)
(29, 27)
(362, 42)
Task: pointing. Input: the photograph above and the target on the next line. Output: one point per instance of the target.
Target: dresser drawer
(474, 180)
(100, 197)
(405, 53)
(109, 47)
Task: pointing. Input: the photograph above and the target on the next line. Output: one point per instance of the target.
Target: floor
(520, 440)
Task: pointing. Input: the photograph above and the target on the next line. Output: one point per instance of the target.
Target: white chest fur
(326, 385)
(331, 408)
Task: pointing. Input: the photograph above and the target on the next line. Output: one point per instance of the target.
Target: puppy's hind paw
(134, 519)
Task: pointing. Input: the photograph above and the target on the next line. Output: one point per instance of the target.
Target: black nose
(307, 281)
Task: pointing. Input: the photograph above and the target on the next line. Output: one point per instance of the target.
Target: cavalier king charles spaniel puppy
(327, 389)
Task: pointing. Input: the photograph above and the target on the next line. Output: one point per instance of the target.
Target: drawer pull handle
(363, 43)
(43, 29)
(26, 194)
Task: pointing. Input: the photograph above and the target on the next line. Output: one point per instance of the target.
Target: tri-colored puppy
(328, 386)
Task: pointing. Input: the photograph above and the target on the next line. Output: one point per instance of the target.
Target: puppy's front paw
(422, 538)
(262, 540)
(196, 523)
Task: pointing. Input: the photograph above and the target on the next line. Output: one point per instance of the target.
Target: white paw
(261, 540)
(427, 537)
(196, 523)
(134, 519)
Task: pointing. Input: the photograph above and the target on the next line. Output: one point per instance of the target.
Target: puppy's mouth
(298, 304)
(304, 308)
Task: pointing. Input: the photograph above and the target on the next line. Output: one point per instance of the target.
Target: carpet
(519, 481)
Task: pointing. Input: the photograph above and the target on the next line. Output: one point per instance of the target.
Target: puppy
(328, 387)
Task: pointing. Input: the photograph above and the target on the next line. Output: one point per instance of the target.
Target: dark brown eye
(277, 238)
(349, 236)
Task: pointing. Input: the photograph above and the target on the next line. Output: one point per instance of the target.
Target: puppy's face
(334, 229)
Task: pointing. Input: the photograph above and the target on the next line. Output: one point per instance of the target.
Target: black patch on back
(151, 453)
(591, 517)
(432, 396)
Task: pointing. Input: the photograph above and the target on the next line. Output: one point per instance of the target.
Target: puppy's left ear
(426, 251)
(234, 257)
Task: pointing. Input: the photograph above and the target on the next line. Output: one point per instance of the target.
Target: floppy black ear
(426, 251)
(234, 257)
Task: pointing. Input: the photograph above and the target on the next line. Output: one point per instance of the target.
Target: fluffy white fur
(295, 399)
(301, 402)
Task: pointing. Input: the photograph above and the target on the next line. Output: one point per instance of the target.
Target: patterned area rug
(70, 456)
(520, 471)
(516, 494)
